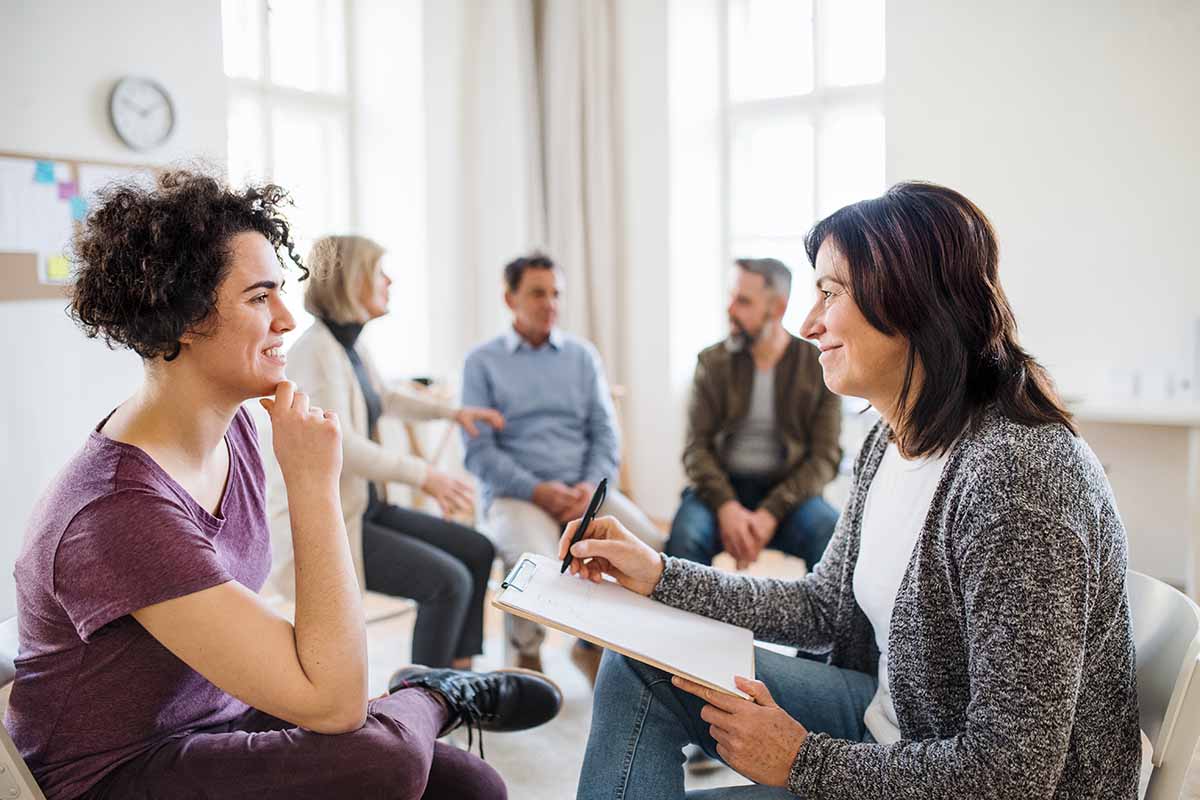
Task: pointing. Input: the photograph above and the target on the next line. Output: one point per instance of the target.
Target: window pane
(789, 250)
(852, 158)
(852, 51)
(310, 153)
(308, 44)
(247, 140)
(242, 38)
(772, 177)
(770, 48)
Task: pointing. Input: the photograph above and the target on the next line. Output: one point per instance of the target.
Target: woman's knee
(620, 675)
(460, 775)
(385, 756)
(480, 782)
(481, 556)
(449, 585)
(460, 583)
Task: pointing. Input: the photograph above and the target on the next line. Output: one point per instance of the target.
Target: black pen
(593, 507)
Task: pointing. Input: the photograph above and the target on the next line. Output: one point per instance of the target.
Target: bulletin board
(42, 200)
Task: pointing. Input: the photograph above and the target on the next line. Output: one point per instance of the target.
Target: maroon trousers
(394, 756)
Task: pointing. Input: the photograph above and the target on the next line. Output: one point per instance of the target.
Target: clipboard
(703, 650)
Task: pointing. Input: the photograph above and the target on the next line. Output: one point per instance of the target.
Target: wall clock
(141, 112)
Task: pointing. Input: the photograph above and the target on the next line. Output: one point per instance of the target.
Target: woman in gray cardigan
(972, 603)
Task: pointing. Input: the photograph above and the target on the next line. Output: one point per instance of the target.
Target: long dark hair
(923, 264)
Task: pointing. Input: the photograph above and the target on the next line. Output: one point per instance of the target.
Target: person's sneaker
(699, 762)
(502, 701)
(586, 657)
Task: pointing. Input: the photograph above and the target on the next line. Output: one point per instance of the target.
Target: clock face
(141, 112)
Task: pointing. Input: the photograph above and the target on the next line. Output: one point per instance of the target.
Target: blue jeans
(803, 532)
(640, 724)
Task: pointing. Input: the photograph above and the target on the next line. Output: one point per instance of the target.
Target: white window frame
(270, 95)
(823, 101)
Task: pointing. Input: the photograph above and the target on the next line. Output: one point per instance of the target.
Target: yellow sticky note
(58, 269)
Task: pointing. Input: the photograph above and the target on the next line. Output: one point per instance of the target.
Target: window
(291, 112)
(804, 125)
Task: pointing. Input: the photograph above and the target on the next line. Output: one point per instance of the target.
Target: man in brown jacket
(762, 435)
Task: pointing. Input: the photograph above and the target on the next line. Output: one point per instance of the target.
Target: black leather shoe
(504, 700)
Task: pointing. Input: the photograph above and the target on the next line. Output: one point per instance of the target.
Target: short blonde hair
(339, 265)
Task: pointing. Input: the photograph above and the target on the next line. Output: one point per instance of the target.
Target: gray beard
(741, 340)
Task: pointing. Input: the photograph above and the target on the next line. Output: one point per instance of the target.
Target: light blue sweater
(559, 420)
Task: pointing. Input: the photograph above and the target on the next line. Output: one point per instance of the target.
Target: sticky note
(43, 172)
(58, 269)
(78, 208)
(62, 172)
(67, 190)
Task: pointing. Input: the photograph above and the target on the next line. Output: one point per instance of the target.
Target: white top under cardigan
(893, 517)
(317, 363)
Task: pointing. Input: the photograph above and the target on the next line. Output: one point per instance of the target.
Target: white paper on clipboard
(698, 648)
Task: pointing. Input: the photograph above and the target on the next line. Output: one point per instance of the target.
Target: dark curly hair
(148, 261)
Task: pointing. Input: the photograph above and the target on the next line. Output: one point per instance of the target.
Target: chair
(1166, 630)
(16, 782)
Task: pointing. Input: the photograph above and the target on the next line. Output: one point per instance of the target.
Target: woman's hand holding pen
(608, 549)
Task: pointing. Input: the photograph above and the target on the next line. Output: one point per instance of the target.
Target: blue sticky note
(78, 208)
(44, 172)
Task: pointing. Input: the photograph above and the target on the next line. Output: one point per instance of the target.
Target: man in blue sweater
(559, 437)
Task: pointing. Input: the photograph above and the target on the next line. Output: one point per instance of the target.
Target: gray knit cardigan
(1011, 649)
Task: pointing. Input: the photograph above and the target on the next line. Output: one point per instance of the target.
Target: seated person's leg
(458, 775)
(401, 565)
(633, 518)
(470, 547)
(640, 722)
(516, 527)
(260, 757)
(806, 530)
(694, 533)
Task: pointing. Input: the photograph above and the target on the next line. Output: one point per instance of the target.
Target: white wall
(652, 419)
(59, 59)
(1073, 126)
(481, 193)
(387, 45)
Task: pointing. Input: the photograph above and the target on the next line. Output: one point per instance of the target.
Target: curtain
(539, 166)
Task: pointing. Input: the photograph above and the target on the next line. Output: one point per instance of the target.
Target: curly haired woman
(149, 666)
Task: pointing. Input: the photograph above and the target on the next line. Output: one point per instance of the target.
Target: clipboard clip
(520, 576)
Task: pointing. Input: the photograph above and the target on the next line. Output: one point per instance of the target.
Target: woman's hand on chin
(307, 440)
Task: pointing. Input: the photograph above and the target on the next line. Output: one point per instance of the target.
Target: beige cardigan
(317, 363)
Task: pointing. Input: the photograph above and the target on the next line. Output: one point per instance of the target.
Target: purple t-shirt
(114, 534)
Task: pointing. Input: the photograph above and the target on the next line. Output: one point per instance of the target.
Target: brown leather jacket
(808, 418)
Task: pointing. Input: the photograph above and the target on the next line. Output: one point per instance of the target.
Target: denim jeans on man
(640, 723)
(803, 532)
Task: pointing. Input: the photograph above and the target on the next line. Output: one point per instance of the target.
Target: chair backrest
(9, 645)
(15, 779)
(1166, 630)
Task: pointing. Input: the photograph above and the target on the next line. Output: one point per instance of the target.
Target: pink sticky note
(67, 190)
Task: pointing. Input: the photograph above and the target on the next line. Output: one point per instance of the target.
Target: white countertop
(1185, 414)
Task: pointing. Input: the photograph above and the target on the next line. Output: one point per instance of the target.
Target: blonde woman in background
(397, 551)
